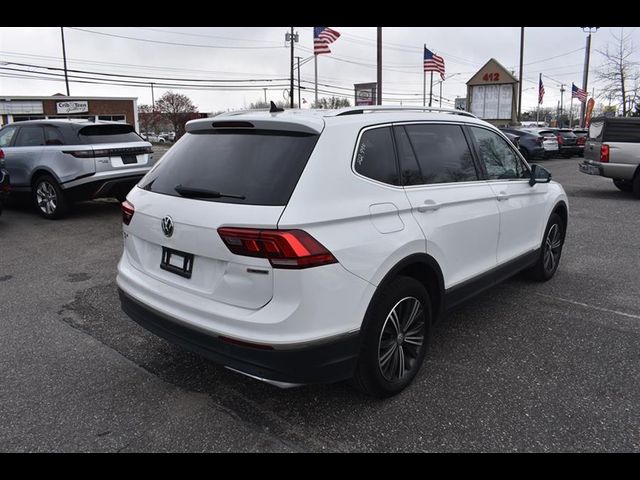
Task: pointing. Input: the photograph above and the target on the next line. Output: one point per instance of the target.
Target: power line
(168, 43)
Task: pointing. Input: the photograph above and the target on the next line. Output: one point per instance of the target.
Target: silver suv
(612, 150)
(62, 161)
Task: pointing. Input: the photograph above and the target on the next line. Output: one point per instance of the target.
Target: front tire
(395, 338)
(49, 198)
(547, 264)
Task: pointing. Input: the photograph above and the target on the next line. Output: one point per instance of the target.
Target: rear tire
(636, 184)
(49, 198)
(395, 338)
(551, 250)
(623, 185)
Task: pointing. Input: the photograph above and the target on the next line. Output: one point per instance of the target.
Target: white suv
(316, 246)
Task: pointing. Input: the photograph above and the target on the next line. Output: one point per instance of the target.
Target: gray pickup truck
(62, 161)
(612, 150)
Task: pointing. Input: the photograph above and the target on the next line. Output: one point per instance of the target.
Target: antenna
(274, 108)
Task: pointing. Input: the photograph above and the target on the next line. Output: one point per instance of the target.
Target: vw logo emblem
(167, 226)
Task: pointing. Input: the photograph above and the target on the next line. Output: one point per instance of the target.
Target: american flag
(540, 91)
(433, 63)
(322, 37)
(578, 93)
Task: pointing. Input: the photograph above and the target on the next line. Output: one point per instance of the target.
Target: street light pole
(520, 78)
(379, 86)
(299, 104)
(291, 90)
(561, 103)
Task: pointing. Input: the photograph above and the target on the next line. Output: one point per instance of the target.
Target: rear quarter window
(263, 166)
(108, 134)
(625, 132)
(375, 156)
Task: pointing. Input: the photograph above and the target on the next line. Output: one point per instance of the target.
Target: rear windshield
(622, 132)
(108, 134)
(263, 166)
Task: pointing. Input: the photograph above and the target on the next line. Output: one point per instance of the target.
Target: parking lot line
(617, 312)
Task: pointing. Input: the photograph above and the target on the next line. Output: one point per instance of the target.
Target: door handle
(502, 196)
(428, 206)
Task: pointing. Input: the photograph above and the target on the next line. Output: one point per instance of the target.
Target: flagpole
(424, 80)
(431, 89)
(571, 108)
(315, 61)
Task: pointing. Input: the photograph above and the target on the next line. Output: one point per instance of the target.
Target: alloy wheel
(46, 197)
(401, 339)
(552, 247)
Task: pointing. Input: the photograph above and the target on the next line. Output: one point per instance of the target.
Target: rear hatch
(594, 141)
(115, 146)
(550, 141)
(569, 138)
(212, 178)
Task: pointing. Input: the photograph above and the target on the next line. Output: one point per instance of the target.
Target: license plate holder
(129, 159)
(588, 169)
(175, 261)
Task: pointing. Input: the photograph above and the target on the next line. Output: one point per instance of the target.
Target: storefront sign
(72, 107)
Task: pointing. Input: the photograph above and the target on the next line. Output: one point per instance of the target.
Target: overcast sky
(260, 54)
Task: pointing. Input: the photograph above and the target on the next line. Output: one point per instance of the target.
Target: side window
(498, 157)
(375, 156)
(622, 132)
(440, 154)
(53, 136)
(30, 136)
(6, 134)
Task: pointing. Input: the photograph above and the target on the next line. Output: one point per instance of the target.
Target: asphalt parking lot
(524, 367)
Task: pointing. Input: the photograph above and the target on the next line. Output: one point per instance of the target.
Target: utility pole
(153, 101)
(585, 74)
(520, 77)
(561, 103)
(441, 93)
(299, 104)
(379, 86)
(64, 57)
(291, 89)
(265, 94)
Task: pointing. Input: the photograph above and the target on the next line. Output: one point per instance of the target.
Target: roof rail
(383, 108)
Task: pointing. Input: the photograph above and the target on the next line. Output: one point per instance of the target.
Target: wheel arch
(40, 171)
(561, 209)
(425, 269)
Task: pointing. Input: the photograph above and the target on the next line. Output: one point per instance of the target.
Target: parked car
(567, 142)
(5, 185)
(612, 150)
(549, 140)
(513, 138)
(581, 134)
(530, 144)
(61, 161)
(320, 245)
(154, 138)
(168, 136)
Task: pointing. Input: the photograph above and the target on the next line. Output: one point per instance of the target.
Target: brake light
(1, 154)
(293, 249)
(581, 140)
(604, 153)
(560, 139)
(127, 212)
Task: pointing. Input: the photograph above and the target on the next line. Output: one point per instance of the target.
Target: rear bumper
(617, 171)
(324, 362)
(104, 187)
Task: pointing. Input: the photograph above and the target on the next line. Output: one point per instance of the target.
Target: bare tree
(619, 73)
(178, 109)
(331, 102)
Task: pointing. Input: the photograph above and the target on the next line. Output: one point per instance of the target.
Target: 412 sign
(491, 77)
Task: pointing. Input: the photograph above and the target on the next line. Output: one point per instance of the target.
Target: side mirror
(539, 175)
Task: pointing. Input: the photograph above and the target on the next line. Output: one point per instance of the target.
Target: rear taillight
(1, 154)
(80, 153)
(284, 248)
(604, 153)
(127, 212)
(581, 140)
(560, 139)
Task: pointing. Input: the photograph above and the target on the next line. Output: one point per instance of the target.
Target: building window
(22, 118)
(113, 118)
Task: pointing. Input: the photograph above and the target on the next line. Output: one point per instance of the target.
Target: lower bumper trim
(315, 363)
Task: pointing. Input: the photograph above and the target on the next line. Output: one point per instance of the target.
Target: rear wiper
(203, 193)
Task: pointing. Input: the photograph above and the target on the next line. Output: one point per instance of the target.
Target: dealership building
(114, 109)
